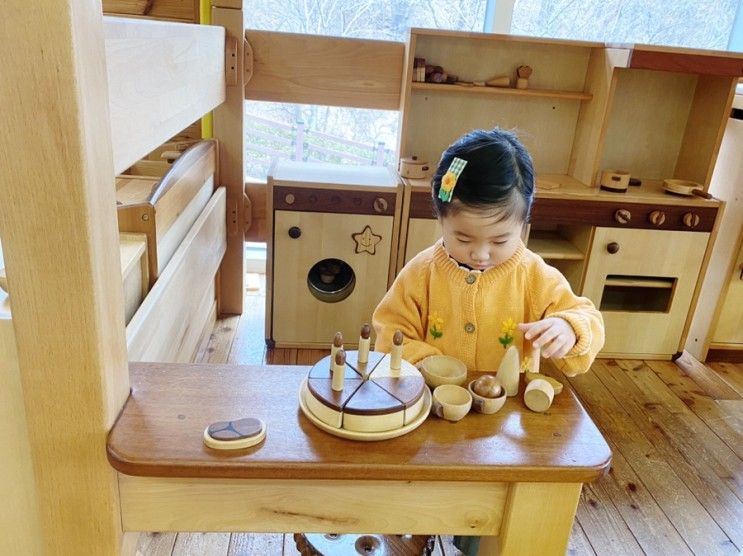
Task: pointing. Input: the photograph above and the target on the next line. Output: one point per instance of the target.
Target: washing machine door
(329, 273)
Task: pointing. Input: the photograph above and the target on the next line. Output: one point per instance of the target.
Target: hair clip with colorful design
(450, 179)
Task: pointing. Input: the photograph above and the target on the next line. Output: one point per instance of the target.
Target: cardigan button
(471, 279)
(469, 328)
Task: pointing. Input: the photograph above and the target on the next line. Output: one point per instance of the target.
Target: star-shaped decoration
(366, 241)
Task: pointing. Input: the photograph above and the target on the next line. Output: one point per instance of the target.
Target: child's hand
(553, 335)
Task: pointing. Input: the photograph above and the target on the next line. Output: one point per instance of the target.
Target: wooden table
(515, 474)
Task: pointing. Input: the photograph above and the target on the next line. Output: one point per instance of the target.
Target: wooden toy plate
(366, 436)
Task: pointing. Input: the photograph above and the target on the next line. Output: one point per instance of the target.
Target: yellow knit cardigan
(443, 308)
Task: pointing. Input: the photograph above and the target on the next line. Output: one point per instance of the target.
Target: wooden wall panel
(334, 71)
(161, 78)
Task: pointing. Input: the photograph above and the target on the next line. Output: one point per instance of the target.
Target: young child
(466, 295)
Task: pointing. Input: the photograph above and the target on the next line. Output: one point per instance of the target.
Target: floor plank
(201, 544)
(710, 382)
(683, 394)
(691, 462)
(250, 544)
(599, 519)
(731, 373)
(310, 356)
(249, 347)
(278, 356)
(579, 545)
(641, 510)
(290, 547)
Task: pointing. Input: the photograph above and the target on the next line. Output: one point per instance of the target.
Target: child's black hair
(499, 175)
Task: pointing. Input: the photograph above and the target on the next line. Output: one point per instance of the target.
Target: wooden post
(60, 241)
(229, 131)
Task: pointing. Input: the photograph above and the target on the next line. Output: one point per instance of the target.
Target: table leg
(537, 521)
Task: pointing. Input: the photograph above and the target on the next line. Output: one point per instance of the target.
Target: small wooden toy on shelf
(419, 70)
(499, 81)
(522, 77)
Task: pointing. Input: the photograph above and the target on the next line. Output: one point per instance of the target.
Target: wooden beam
(58, 224)
(332, 71)
(229, 131)
(161, 78)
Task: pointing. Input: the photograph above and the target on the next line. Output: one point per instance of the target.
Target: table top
(159, 434)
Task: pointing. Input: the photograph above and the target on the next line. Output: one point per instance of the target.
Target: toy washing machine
(332, 250)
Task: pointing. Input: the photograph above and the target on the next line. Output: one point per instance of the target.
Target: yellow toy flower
(436, 324)
(508, 327)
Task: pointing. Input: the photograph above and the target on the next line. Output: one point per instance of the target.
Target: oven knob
(295, 232)
(623, 216)
(691, 220)
(657, 217)
(380, 204)
(289, 199)
(613, 247)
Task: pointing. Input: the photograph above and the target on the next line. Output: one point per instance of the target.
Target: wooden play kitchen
(637, 248)
(488, 475)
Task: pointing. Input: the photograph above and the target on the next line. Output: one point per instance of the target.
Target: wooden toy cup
(451, 402)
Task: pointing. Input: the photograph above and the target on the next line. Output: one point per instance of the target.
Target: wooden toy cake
(365, 395)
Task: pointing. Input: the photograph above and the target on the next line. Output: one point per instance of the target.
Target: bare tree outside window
(332, 134)
(705, 24)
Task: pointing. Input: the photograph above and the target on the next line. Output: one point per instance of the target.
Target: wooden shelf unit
(657, 113)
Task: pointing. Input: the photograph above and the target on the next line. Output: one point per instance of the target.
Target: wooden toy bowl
(443, 369)
(451, 402)
(488, 406)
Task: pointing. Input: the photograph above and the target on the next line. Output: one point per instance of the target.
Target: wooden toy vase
(332, 249)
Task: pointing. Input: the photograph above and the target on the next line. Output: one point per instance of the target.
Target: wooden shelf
(544, 93)
(551, 246)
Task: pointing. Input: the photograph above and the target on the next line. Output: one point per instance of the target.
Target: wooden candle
(396, 355)
(337, 344)
(339, 370)
(364, 343)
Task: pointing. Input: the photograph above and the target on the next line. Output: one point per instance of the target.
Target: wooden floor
(676, 481)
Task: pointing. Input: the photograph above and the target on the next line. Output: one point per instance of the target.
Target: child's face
(479, 239)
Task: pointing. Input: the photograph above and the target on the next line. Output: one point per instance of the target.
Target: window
(366, 19)
(706, 24)
(333, 134)
(317, 133)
